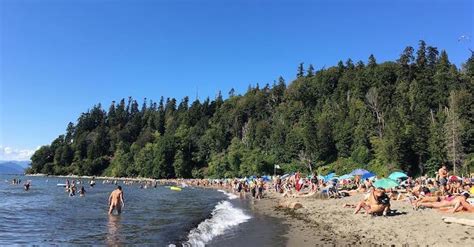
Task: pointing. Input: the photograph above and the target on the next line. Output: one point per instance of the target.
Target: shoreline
(137, 179)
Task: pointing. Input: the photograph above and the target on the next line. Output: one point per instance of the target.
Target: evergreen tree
(300, 71)
(412, 114)
(310, 72)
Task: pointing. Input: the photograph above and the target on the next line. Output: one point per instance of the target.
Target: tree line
(412, 114)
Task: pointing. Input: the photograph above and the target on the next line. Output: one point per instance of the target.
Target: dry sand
(324, 222)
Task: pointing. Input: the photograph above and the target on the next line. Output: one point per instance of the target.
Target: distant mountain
(13, 167)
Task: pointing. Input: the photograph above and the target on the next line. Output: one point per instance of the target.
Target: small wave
(229, 195)
(224, 216)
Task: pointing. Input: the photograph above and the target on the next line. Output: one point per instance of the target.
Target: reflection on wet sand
(113, 231)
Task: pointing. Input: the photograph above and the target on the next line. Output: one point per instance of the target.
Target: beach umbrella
(368, 175)
(346, 176)
(359, 172)
(284, 176)
(329, 176)
(385, 183)
(397, 175)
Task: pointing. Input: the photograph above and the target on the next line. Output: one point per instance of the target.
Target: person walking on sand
(116, 200)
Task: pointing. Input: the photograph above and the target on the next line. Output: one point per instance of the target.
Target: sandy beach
(326, 222)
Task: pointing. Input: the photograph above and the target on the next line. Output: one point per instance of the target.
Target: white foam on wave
(229, 195)
(224, 216)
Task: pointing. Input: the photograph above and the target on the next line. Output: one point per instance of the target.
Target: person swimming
(116, 200)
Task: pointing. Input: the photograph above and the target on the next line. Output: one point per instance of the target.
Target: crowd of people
(444, 192)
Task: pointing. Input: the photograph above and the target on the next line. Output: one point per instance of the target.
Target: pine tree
(310, 72)
(453, 129)
(372, 62)
(300, 71)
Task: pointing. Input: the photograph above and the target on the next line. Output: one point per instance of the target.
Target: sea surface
(47, 215)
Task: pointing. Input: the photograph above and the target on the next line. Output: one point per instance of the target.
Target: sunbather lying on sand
(416, 203)
(461, 205)
(361, 189)
(449, 201)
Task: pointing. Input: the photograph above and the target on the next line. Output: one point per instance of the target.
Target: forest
(413, 114)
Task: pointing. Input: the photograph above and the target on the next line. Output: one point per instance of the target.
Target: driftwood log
(467, 222)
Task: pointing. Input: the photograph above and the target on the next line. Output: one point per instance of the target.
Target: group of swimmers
(71, 188)
(26, 185)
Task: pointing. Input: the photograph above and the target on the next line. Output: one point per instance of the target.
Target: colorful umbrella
(368, 175)
(329, 176)
(359, 172)
(346, 176)
(385, 183)
(397, 175)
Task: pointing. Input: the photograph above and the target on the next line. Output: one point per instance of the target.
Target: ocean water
(46, 215)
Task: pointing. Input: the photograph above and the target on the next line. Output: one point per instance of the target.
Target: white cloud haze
(8, 153)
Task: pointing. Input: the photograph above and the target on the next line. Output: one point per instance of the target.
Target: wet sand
(326, 222)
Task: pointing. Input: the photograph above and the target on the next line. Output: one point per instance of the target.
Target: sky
(59, 58)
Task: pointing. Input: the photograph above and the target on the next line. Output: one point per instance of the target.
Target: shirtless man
(116, 200)
(443, 176)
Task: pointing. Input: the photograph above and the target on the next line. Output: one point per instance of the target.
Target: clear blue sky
(58, 58)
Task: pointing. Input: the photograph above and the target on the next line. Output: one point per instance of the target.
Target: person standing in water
(116, 200)
(27, 186)
(82, 192)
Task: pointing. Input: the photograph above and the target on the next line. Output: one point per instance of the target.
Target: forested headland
(412, 114)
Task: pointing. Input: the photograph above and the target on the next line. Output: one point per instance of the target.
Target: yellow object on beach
(175, 188)
(472, 191)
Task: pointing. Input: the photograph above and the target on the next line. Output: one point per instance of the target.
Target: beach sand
(323, 222)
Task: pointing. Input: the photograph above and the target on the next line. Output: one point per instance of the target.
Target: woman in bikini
(448, 201)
